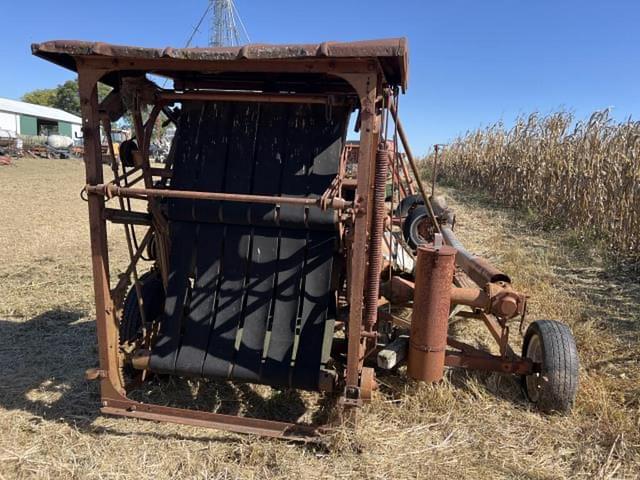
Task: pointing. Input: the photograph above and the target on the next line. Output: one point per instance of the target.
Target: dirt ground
(473, 425)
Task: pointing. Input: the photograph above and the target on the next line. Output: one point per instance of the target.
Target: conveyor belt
(249, 294)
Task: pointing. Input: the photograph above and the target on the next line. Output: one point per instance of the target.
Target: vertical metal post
(429, 321)
(106, 326)
(435, 171)
(366, 85)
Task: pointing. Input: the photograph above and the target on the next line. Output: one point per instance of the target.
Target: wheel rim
(421, 230)
(534, 381)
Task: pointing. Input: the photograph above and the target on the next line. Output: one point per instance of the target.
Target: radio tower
(227, 29)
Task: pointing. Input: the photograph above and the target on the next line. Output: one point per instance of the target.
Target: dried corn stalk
(586, 177)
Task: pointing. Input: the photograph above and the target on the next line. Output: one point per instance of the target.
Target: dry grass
(586, 177)
(472, 425)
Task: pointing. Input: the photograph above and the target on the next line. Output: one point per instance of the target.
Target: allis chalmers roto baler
(273, 251)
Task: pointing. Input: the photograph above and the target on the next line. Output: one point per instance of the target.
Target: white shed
(29, 119)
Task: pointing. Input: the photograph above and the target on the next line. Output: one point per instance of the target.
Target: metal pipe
(478, 269)
(429, 321)
(471, 297)
(372, 289)
(111, 190)
(486, 361)
(400, 291)
(407, 177)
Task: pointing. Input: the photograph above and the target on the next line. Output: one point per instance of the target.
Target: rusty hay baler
(277, 251)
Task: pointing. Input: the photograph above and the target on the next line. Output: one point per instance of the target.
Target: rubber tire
(153, 301)
(410, 226)
(407, 203)
(556, 390)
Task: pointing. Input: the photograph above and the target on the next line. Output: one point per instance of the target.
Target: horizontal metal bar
(110, 190)
(126, 175)
(248, 97)
(160, 172)
(232, 423)
(135, 180)
(486, 361)
(115, 215)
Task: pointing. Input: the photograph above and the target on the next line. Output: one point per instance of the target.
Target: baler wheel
(418, 228)
(406, 204)
(551, 345)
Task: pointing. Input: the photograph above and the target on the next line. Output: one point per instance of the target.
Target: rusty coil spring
(375, 238)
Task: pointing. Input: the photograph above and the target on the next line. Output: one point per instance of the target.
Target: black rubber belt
(228, 311)
(285, 311)
(270, 281)
(199, 320)
(264, 255)
(165, 351)
(314, 304)
(238, 178)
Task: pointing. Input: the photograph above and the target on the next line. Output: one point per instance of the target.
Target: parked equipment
(275, 244)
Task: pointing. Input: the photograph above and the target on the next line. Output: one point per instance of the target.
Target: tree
(46, 97)
(68, 97)
(65, 96)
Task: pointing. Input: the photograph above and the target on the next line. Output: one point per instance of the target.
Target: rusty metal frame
(365, 78)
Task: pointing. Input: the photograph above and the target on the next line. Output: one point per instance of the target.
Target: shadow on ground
(43, 360)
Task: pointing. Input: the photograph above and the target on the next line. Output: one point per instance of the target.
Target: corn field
(584, 176)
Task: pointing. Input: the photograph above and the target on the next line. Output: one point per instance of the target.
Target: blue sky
(472, 62)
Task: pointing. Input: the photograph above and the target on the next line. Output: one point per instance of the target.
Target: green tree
(46, 97)
(65, 96)
(68, 97)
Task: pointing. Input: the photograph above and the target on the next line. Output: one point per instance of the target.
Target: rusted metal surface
(496, 298)
(505, 301)
(472, 297)
(489, 362)
(391, 53)
(111, 190)
(399, 290)
(375, 238)
(429, 321)
(357, 251)
(232, 423)
(363, 73)
(367, 383)
(480, 271)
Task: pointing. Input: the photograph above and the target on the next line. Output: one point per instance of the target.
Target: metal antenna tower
(227, 28)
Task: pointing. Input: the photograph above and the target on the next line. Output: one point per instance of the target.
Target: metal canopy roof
(391, 53)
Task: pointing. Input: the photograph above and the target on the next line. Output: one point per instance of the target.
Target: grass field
(470, 426)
